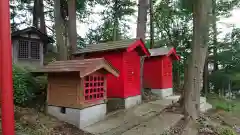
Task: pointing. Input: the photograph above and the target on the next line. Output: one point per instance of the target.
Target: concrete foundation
(120, 103)
(163, 93)
(79, 118)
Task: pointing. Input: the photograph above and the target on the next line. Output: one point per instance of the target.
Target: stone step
(156, 125)
(203, 100)
(205, 107)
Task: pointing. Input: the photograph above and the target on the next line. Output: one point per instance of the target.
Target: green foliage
(24, 85)
(226, 131)
(114, 18)
(229, 58)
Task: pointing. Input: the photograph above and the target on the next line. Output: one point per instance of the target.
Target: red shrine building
(158, 71)
(124, 55)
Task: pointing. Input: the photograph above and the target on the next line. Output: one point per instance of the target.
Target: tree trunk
(214, 27)
(141, 30)
(205, 77)
(72, 27)
(151, 25)
(39, 19)
(36, 13)
(42, 17)
(196, 61)
(59, 29)
(142, 18)
(116, 22)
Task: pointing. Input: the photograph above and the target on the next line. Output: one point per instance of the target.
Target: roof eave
(173, 51)
(140, 43)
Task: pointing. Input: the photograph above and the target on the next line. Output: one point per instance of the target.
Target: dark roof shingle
(35, 30)
(111, 45)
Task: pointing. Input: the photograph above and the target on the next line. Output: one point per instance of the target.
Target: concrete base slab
(156, 125)
(163, 93)
(77, 117)
(119, 103)
(132, 101)
(123, 120)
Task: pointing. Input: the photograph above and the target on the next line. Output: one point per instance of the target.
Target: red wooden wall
(114, 84)
(158, 72)
(131, 73)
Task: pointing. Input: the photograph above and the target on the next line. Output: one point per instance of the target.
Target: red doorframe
(7, 107)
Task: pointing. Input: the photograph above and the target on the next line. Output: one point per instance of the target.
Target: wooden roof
(129, 44)
(32, 29)
(85, 67)
(164, 51)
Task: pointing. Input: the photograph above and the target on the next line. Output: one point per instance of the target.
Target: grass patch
(227, 105)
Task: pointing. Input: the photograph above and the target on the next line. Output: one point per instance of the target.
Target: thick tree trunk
(72, 27)
(193, 85)
(141, 30)
(59, 29)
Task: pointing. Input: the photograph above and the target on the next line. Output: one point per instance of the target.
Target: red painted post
(7, 107)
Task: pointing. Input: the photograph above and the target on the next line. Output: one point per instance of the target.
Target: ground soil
(28, 121)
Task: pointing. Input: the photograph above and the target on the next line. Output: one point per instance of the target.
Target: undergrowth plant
(24, 85)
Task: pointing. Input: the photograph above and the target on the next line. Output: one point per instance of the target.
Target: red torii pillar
(6, 82)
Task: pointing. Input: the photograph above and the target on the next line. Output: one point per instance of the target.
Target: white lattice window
(28, 49)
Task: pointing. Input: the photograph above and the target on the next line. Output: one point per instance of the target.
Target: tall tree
(142, 18)
(143, 6)
(193, 84)
(151, 23)
(60, 30)
(38, 15)
(72, 33)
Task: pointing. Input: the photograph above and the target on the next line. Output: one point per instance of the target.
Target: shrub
(24, 85)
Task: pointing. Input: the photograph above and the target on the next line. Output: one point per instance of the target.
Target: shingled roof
(85, 67)
(164, 51)
(43, 36)
(111, 45)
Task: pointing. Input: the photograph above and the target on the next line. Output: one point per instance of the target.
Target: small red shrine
(158, 71)
(124, 55)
